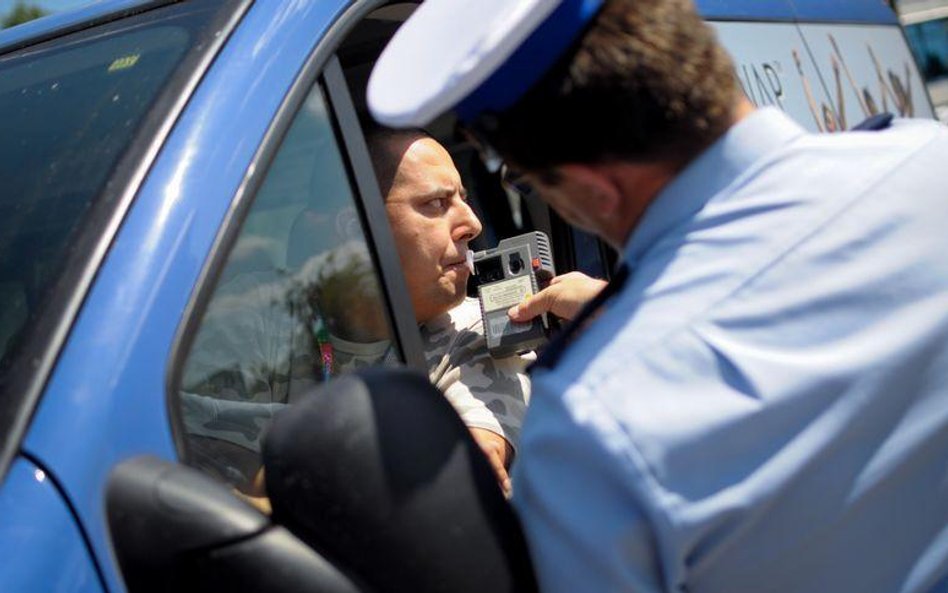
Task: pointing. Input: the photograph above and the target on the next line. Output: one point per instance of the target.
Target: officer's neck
(641, 182)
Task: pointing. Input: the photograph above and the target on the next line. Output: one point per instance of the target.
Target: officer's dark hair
(647, 81)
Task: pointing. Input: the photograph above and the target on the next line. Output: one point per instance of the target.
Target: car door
(106, 397)
(248, 181)
(305, 275)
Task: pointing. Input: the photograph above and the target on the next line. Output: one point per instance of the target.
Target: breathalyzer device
(504, 276)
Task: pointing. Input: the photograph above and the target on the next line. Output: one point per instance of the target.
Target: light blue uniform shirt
(764, 406)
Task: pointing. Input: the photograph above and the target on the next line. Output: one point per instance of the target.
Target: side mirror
(378, 472)
(176, 530)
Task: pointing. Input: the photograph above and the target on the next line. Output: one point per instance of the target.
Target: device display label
(503, 295)
(502, 325)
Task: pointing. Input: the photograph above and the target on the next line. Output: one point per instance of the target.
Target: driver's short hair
(386, 149)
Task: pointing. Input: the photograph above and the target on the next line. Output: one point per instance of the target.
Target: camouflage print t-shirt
(226, 420)
(488, 393)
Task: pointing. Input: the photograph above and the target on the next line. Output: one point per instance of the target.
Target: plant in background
(21, 13)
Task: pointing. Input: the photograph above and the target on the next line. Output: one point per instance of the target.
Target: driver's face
(432, 224)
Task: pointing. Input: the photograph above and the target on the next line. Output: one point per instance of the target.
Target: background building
(926, 26)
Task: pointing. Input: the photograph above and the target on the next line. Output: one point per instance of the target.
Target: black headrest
(378, 473)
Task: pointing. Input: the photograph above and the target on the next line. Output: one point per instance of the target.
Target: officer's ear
(596, 185)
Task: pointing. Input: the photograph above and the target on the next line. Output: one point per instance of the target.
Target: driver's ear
(595, 184)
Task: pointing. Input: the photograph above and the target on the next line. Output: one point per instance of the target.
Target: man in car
(758, 400)
(432, 224)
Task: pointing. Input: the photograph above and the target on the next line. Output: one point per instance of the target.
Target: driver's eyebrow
(436, 192)
(442, 192)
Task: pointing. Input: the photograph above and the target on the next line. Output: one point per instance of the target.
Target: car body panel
(834, 11)
(106, 400)
(845, 11)
(753, 10)
(50, 553)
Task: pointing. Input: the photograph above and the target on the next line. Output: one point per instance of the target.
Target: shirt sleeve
(607, 545)
(488, 393)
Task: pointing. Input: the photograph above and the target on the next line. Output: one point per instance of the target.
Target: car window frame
(24, 384)
(366, 195)
(379, 235)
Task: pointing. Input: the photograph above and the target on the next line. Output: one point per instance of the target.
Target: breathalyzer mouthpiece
(469, 260)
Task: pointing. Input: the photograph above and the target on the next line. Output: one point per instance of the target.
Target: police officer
(759, 399)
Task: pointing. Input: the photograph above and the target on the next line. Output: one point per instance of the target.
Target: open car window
(298, 302)
(301, 297)
(502, 211)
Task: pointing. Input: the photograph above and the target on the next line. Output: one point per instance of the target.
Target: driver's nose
(466, 225)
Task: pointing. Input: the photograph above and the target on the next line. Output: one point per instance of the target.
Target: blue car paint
(42, 547)
(845, 11)
(106, 400)
(830, 11)
(751, 10)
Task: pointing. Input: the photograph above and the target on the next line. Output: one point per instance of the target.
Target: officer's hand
(499, 454)
(564, 297)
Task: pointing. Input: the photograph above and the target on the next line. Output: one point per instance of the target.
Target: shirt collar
(363, 349)
(752, 138)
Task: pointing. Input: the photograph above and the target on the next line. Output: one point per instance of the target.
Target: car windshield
(70, 108)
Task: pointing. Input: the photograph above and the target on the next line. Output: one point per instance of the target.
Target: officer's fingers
(534, 305)
(564, 297)
(564, 277)
(572, 291)
(581, 284)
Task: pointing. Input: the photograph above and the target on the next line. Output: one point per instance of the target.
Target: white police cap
(474, 56)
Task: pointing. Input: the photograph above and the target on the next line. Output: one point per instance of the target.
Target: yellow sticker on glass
(124, 63)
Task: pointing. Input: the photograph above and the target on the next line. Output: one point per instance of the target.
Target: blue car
(175, 177)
